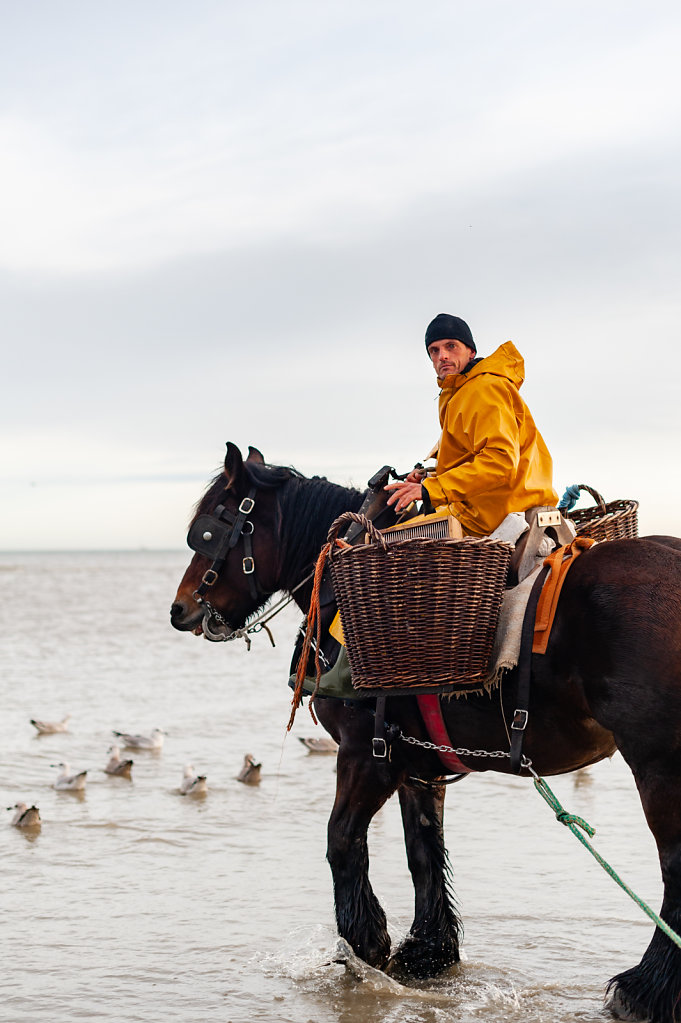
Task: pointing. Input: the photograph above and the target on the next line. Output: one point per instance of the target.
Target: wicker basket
(418, 613)
(616, 520)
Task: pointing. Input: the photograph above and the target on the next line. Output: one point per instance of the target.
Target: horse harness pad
(214, 536)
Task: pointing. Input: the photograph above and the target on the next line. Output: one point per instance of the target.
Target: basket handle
(596, 496)
(362, 521)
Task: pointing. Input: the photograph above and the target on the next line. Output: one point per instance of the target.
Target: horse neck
(307, 507)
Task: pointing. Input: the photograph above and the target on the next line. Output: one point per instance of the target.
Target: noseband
(214, 536)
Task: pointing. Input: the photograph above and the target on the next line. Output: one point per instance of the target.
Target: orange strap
(559, 563)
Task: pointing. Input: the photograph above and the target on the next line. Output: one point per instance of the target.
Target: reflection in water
(136, 903)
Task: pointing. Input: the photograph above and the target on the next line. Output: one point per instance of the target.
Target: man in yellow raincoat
(491, 459)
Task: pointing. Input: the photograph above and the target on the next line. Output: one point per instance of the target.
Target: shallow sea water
(135, 903)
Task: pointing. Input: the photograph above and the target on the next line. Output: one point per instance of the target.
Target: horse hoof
(622, 1008)
(416, 960)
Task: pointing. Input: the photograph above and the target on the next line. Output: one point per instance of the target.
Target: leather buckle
(247, 506)
(379, 748)
(248, 566)
(519, 723)
(210, 577)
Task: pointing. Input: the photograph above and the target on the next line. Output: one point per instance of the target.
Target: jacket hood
(506, 362)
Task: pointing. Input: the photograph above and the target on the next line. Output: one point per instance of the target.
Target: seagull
(50, 727)
(25, 816)
(123, 768)
(153, 741)
(193, 784)
(250, 772)
(69, 782)
(324, 744)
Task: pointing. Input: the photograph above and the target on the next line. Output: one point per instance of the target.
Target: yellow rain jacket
(492, 460)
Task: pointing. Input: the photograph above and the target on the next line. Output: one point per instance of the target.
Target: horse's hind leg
(362, 787)
(652, 990)
(433, 940)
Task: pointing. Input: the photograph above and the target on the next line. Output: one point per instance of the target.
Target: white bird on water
(321, 744)
(250, 772)
(68, 782)
(50, 727)
(152, 741)
(193, 784)
(25, 816)
(123, 768)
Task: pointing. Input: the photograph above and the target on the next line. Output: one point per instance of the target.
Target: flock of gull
(191, 784)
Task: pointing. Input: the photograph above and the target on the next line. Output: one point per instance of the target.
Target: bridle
(214, 536)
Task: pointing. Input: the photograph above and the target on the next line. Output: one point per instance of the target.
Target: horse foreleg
(362, 787)
(652, 990)
(433, 940)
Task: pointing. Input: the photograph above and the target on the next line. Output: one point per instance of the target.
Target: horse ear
(255, 456)
(234, 465)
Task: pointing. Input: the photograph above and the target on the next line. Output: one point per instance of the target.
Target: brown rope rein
(314, 618)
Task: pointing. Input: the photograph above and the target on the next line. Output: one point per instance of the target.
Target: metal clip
(248, 566)
(379, 748)
(247, 506)
(519, 723)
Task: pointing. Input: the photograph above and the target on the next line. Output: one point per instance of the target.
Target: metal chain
(259, 623)
(460, 752)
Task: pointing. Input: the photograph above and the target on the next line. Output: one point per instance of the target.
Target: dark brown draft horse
(611, 679)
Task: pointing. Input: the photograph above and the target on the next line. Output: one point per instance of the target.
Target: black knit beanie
(450, 328)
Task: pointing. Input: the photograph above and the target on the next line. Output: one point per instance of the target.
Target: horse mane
(306, 507)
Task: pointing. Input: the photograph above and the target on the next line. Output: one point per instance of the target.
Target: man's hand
(404, 493)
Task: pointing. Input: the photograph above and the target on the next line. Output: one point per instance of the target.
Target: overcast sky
(234, 220)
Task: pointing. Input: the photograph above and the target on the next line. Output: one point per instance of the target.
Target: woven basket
(616, 520)
(418, 613)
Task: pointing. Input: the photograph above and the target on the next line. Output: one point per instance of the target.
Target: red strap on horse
(431, 712)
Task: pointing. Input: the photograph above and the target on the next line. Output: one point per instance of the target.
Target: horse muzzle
(185, 618)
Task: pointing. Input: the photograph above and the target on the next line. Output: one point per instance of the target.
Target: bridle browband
(208, 536)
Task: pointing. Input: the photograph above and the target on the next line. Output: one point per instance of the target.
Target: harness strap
(559, 563)
(522, 710)
(237, 522)
(379, 746)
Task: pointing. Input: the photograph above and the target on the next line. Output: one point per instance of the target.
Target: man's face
(449, 356)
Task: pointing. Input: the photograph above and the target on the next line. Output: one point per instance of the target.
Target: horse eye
(207, 535)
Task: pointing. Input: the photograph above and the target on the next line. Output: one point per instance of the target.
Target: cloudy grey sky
(233, 220)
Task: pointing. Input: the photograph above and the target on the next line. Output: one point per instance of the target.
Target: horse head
(236, 565)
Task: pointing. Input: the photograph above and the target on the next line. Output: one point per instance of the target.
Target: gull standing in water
(193, 784)
(68, 782)
(50, 727)
(153, 741)
(122, 768)
(25, 816)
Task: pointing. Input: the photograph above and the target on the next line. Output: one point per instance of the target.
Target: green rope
(573, 823)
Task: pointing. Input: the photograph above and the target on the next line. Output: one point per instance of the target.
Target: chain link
(460, 752)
